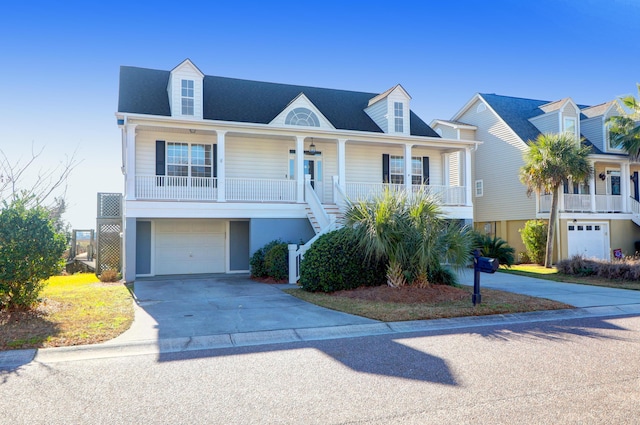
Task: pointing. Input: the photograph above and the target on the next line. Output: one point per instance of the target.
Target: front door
(313, 167)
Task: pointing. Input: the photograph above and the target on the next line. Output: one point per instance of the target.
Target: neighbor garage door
(588, 239)
(189, 246)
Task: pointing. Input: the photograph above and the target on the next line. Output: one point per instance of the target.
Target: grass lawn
(74, 310)
(540, 272)
(436, 302)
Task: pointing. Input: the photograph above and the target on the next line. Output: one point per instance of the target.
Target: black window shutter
(425, 170)
(385, 168)
(160, 158)
(215, 160)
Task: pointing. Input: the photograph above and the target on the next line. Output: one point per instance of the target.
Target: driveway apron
(188, 306)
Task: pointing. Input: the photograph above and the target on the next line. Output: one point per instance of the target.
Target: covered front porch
(613, 188)
(207, 164)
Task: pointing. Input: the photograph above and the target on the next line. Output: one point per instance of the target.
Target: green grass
(540, 272)
(74, 310)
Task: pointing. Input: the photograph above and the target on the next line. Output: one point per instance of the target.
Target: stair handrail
(311, 198)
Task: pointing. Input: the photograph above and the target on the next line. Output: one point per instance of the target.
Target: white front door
(185, 246)
(590, 240)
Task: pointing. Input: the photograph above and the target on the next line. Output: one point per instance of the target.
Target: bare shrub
(627, 268)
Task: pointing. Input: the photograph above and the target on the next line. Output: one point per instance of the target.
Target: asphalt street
(553, 372)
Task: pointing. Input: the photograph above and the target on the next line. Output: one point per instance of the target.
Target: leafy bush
(335, 262)
(256, 262)
(443, 276)
(276, 261)
(534, 237)
(494, 247)
(30, 252)
(109, 276)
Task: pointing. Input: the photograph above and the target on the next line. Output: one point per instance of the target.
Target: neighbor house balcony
(583, 203)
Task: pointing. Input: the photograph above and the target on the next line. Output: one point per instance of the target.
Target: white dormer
(561, 116)
(301, 112)
(185, 91)
(390, 111)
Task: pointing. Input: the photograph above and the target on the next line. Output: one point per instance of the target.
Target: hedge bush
(624, 269)
(335, 262)
(534, 237)
(276, 261)
(256, 262)
(494, 247)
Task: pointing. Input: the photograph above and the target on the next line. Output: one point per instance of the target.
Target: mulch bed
(268, 280)
(406, 294)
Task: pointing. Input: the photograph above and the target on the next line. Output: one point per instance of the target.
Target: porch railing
(447, 195)
(172, 188)
(176, 188)
(582, 203)
(260, 190)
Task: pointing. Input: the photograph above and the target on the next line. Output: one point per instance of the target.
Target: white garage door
(189, 246)
(591, 240)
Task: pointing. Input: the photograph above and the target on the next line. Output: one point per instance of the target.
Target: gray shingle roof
(144, 91)
(516, 112)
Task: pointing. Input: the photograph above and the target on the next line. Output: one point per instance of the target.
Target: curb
(17, 358)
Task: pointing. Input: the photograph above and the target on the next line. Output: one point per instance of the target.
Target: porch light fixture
(312, 148)
(602, 176)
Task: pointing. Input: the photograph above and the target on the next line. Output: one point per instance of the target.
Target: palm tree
(624, 130)
(410, 233)
(550, 160)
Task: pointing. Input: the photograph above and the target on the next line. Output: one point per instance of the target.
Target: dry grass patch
(434, 302)
(74, 310)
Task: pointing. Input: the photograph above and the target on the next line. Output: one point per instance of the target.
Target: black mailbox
(488, 265)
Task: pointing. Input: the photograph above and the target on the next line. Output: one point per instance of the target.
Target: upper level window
(398, 115)
(187, 97)
(612, 144)
(570, 126)
(302, 116)
(185, 160)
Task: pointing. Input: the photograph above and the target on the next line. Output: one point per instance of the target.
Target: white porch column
(446, 181)
(342, 168)
(300, 169)
(221, 176)
(624, 186)
(592, 192)
(407, 168)
(130, 163)
(467, 177)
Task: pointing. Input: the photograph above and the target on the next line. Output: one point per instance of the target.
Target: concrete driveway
(189, 306)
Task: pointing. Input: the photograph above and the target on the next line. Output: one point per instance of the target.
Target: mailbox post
(484, 265)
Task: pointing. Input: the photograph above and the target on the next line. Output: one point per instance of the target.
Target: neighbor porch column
(624, 186)
(130, 162)
(407, 168)
(221, 176)
(468, 184)
(446, 178)
(300, 169)
(342, 169)
(592, 191)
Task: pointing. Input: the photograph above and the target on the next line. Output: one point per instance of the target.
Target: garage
(591, 240)
(188, 246)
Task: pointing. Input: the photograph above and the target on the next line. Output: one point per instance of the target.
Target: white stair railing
(311, 198)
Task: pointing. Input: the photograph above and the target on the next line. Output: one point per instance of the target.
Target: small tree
(30, 252)
(534, 237)
(549, 162)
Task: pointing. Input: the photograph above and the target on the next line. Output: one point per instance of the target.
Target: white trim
(301, 101)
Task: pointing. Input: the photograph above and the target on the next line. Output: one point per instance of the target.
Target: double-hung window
(188, 98)
(398, 114)
(189, 160)
(396, 169)
(570, 126)
(416, 170)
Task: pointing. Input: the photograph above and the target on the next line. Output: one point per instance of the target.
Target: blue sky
(60, 61)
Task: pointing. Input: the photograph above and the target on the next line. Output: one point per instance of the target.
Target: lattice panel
(109, 205)
(109, 255)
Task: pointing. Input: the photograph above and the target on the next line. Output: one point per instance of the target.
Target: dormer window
(188, 99)
(398, 114)
(570, 126)
(302, 116)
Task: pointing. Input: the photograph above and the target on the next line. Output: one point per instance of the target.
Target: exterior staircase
(331, 209)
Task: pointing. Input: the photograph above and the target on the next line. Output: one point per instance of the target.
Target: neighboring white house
(595, 218)
(216, 167)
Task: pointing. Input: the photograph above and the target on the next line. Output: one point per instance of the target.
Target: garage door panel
(190, 246)
(589, 240)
